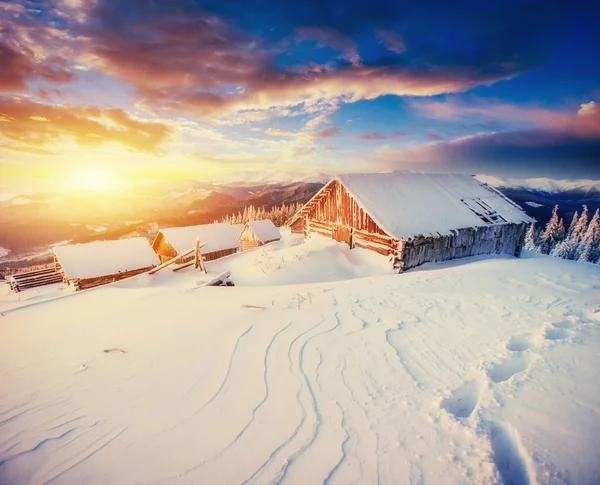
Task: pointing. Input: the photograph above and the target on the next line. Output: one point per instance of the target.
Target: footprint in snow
(557, 333)
(464, 399)
(510, 456)
(520, 343)
(503, 371)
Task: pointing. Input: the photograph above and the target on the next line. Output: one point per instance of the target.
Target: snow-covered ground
(477, 371)
(4, 251)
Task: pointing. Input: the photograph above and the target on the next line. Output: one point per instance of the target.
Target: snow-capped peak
(540, 184)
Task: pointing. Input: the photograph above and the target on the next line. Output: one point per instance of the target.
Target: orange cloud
(29, 126)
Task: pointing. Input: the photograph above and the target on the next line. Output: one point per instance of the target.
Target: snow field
(477, 371)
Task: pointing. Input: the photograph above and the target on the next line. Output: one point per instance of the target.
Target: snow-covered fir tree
(531, 238)
(564, 249)
(278, 214)
(579, 232)
(589, 248)
(573, 224)
(552, 234)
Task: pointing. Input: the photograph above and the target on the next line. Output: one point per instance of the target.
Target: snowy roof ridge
(408, 204)
(265, 230)
(104, 258)
(216, 237)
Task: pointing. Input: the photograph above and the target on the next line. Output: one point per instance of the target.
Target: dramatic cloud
(191, 61)
(391, 40)
(265, 79)
(30, 126)
(332, 38)
(378, 136)
(557, 140)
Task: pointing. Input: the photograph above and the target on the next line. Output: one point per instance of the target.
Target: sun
(94, 179)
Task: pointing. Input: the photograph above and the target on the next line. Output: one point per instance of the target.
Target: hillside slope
(481, 371)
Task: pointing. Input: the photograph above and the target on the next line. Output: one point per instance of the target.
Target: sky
(100, 91)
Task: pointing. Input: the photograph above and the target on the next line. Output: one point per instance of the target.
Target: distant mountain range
(32, 223)
(542, 184)
(538, 196)
(269, 177)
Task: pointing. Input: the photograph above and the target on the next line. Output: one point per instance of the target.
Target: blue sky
(183, 88)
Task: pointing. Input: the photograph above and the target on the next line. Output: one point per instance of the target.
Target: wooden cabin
(258, 233)
(415, 218)
(220, 239)
(102, 262)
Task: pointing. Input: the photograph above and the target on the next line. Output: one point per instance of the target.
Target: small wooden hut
(258, 233)
(415, 218)
(102, 262)
(220, 239)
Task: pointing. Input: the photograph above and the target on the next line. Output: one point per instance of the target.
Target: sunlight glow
(96, 179)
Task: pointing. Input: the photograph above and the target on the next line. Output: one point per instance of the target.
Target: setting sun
(97, 179)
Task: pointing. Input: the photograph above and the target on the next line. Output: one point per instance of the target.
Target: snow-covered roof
(216, 237)
(409, 204)
(265, 230)
(103, 258)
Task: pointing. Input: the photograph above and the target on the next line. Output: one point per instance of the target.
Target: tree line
(278, 214)
(580, 242)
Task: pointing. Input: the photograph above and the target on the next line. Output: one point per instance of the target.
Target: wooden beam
(173, 260)
(221, 277)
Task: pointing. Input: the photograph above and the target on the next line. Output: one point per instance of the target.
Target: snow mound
(290, 261)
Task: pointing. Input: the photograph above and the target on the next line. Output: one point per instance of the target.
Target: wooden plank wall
(163, 248)
(497, 239)
(336, 206)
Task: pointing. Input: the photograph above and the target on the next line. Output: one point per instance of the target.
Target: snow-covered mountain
(292, 377)
(266, 177)
(542, 184)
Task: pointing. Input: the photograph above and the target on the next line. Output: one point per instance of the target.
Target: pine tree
(564, 249)
(579, 232)
(561, 231)
(589, 248)
(574, 222)
(530, 238)
(581, 226)
(550, 237)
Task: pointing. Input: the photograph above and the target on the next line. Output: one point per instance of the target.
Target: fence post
(197, 254)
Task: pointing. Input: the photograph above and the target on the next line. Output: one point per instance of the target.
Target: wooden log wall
(496, 239)
(103, 280)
